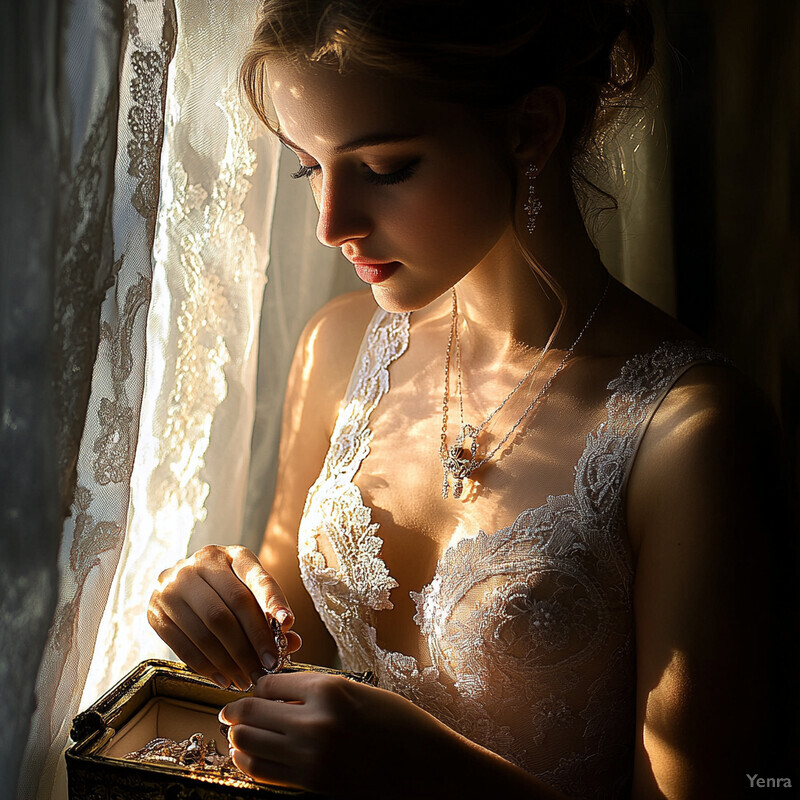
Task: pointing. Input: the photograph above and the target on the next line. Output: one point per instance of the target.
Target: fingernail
(220, 681)
(282, 616)
(221, 717)
(268, 660)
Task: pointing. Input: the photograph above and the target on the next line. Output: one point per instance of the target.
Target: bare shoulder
(329, 344)
(710, 404)
(342, 320)
(714, 433)
(708, 516)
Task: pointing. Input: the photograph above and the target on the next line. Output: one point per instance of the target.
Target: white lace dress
(527, 632)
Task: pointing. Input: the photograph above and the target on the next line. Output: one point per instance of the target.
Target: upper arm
(318, 378)
(702, 503)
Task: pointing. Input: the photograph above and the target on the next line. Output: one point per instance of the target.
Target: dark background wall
(734, 109)
(735, 139)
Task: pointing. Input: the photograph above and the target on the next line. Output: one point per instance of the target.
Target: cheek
(465, 215)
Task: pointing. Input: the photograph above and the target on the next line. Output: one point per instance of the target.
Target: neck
(506, 306)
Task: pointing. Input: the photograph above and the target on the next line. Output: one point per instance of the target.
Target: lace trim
(115, 445)
(334, 502)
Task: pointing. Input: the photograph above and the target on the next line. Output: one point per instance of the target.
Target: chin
(398, 301)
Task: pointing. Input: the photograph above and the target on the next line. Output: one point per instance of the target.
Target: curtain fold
(162, 239)
(113, 66)
(210, 256)
(755, 217)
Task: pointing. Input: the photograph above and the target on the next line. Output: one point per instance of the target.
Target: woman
(525, 512)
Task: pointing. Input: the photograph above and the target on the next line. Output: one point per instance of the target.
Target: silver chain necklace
(461, 459)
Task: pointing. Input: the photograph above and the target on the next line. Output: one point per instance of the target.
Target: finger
(217, 616)
(264, 587)
(293, 641)
(256, 741)
(197, 631)
(186, 651)
(178, 625)
(264, 771)
(256, 636)
(290, 687)
(268, 715)
(194, 607)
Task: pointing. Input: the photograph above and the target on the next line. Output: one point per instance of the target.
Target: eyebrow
(370, 140)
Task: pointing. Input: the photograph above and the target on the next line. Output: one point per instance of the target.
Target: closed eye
(390, 178)
(375, 178)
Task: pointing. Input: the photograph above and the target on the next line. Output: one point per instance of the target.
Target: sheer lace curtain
(110, 136)
(143, 362)
(158, 224)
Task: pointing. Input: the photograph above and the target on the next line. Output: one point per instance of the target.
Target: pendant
(457, 466)
(460, 461)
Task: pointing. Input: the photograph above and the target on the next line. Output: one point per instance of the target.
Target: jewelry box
(160, 699)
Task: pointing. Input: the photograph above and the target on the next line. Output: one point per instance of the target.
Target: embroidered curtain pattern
(186, 228)
(209, 275)
(109, 194)
(219, 228)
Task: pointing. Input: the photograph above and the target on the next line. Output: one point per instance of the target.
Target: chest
(527, 452)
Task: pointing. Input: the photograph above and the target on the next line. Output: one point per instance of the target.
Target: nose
(342, 212)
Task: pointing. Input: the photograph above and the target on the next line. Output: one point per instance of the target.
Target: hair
(485, 56)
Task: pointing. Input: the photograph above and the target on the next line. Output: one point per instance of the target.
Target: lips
(375, 271)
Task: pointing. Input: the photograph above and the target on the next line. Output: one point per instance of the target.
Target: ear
(537, 124)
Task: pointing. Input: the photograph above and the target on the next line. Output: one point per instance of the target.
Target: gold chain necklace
(461, 459)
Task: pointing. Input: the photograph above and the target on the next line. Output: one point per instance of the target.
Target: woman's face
(415, 192)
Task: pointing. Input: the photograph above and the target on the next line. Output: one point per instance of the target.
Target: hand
(327, 734)
(212, 609)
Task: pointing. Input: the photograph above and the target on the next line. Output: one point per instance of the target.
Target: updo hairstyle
(485, 55)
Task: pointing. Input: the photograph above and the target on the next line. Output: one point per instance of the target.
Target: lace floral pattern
(208, 282)
(146, 115)
(85, 273)
(540, 669)
(337, 502)
(107, 241)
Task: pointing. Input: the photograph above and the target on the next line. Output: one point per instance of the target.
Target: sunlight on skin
(307, 370)
(658, 734)
(172, 576)
(308, 361)
(253, 577)
(296, 92)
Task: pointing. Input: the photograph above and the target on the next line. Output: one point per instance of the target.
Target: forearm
(464, 770)
(482, 774)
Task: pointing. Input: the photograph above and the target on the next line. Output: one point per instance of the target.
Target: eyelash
(304, 171)
(376, 178)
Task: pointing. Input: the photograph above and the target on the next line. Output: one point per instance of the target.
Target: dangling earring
(533, 205)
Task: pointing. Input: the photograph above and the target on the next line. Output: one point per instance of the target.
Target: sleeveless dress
(527, 633)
